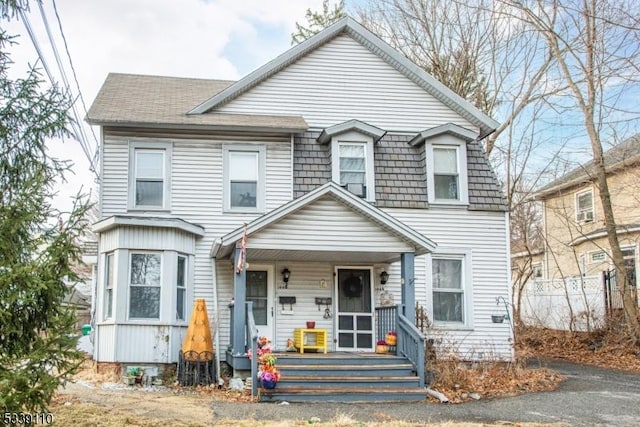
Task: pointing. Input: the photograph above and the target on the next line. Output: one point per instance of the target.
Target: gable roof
(154, 101)
(357, 125)
(375, 45)
(619, 156)
(223, 245)
(449, 128)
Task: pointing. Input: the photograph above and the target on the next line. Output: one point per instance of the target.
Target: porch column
(407, 280)
(239, 308)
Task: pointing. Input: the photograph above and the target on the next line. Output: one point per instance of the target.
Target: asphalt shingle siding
(485, 193)
(400, 173)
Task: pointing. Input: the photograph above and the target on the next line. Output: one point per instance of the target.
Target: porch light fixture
(285, 275)
(384, 276)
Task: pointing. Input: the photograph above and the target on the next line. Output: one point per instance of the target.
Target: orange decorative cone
(198, 338)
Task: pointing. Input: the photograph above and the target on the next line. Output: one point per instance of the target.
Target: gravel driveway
(589, 397)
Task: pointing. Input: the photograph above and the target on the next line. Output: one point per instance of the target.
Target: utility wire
(79, 135)
(73, 69)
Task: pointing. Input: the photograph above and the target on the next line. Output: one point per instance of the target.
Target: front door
(355, 309)
(260, 292)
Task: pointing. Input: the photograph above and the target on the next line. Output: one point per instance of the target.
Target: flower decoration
(267, 371)
(381, 342)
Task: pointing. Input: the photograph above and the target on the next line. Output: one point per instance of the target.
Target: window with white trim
(448, 287)
(181, 288)
(352, 163)
(145, 283)
(149, 175)
(597, 257)
(446, 163)
(108, 286)
(536, 270)
(584, 206)
(244, 175)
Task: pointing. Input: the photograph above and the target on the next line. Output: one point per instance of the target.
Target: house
(576, 251)
(335, 179)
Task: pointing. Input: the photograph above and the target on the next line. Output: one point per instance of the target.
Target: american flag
(243, 252)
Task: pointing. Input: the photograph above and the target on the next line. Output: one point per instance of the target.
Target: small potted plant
(382, 347)
(391, 338)
(268, 375)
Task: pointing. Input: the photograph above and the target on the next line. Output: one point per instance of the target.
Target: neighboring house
(341, 159)
(576, 250)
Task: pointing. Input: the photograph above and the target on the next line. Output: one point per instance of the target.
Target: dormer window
(353, 167)
(352, 156)
(446, 163)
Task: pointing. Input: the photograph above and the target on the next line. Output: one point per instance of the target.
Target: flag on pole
(243, 252)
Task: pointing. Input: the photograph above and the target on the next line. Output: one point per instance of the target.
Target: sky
(218, 39)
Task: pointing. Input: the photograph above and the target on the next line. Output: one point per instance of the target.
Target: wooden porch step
(398, 369)
(338, 359)
(361, 382)
(342, 394)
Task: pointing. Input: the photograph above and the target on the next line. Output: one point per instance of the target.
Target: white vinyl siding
(482, 235)
(343, 80)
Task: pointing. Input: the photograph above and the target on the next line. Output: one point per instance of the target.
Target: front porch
(322, 258)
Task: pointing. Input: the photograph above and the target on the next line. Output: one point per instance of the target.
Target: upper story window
(447, 172)
(536, 270)
(584, 206)
(352, 163)
(149, 175)
(244, 176)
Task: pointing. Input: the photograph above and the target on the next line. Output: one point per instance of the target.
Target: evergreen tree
(37, 242)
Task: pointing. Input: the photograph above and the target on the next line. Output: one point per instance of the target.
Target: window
(352, 163)
(584, 206)
(536, 270)
(244, 178)
(181, 287)
(596, 257)
(150, 164)
(445, 173)
(448, 289)
(108, 287)
(145, 283)
(353, 170)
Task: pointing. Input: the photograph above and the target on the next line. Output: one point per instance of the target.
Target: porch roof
(328, 224)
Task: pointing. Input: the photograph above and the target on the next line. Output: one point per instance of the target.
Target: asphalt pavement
(589, 397)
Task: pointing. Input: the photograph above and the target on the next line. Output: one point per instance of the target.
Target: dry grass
(609, 348)
(459, 380)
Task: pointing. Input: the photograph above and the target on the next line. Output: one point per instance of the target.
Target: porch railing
(252, 338)
(411, 344)
(410, 341)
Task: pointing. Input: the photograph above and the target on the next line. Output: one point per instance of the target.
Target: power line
(73, 69)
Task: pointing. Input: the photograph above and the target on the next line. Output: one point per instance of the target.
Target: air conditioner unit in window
(585, 216)
(357, 189)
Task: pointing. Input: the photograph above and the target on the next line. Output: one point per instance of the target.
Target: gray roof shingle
(400, 172)
(139, 100)
(621, 155)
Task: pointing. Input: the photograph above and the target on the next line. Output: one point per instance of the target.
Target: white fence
(574, 303)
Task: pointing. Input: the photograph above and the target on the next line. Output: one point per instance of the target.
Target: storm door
(260, 292)
(355, 310)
